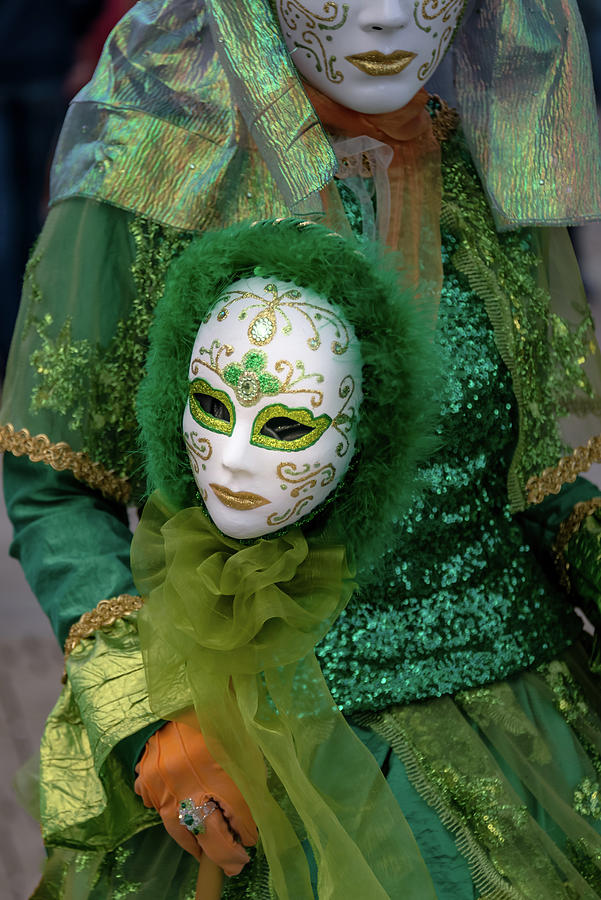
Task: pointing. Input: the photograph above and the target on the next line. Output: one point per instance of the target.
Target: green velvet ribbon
(230, 629)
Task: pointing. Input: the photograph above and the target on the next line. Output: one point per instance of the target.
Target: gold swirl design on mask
(198, 448)
(264, 326)
(304, 480)
(344, 421)
(292, 12)
(437, 53)
(250, 379)
(429, 11)
(434, 9)
(60, 456)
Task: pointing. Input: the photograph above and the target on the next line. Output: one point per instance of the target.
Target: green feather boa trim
(399, 366)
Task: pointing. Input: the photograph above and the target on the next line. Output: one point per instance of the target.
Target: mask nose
(385, 15)
(236, 456)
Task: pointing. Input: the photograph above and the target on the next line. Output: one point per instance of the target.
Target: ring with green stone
(193, 817)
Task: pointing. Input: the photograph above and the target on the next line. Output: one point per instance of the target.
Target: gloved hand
(175, 766)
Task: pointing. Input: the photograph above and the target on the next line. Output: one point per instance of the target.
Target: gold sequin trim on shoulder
(567, 530)
(106, 613)
(551, 480)
(60, 456)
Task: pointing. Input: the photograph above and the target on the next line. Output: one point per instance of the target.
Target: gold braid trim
(39, 448)
(551, 480)
(568, 528)
(106, 613)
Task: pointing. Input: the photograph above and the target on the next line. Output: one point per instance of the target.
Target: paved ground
(31, 666)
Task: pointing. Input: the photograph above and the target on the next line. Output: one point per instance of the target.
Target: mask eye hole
(285, 429)
(212, 406)
(278, 427)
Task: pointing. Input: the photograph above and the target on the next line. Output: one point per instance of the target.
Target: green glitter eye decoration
(279, 428)
(211, 408)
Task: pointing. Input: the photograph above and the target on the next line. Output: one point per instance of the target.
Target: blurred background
(48, 51)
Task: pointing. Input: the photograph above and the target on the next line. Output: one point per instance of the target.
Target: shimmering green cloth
(156, 130)
(460, 598)
(230, 629)
(500, 786)
(527, 107)
(86, 791)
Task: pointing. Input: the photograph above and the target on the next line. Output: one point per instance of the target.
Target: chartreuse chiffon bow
(230, 629)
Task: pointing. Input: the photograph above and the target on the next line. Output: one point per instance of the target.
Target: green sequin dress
(460, 667)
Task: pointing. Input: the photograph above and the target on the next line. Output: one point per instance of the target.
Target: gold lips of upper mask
(375, 63)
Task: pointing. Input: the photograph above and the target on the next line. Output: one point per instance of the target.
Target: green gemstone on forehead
(248, 389)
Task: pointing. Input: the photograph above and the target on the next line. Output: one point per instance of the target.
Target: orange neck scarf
(413, 175)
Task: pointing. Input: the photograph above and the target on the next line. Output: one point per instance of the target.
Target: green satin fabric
(69, 567)
(231, 630)
(87, 799)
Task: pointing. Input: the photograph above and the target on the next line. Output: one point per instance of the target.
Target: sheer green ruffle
(230, 629)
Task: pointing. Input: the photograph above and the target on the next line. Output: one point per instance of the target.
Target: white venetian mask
(275, 389)
(368, 55)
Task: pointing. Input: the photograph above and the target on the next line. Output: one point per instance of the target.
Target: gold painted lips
(376, 63)
(239, 499)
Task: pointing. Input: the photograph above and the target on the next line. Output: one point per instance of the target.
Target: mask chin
(369, 57)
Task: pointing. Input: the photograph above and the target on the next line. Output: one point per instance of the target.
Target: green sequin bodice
(461, 600)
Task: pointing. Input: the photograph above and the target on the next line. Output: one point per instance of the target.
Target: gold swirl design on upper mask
(264, 326)
(250, 379)
(426, 68)
(304, 480)
(428, 11)
(435, 9)
(198, 448)
(331, 19)
(345, 419)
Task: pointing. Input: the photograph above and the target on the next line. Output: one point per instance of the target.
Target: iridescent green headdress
(157, 129)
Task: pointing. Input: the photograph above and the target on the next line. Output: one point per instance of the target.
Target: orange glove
(176, 767)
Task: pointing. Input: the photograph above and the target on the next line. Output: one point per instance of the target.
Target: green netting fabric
(80, 341)
(231, 630)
